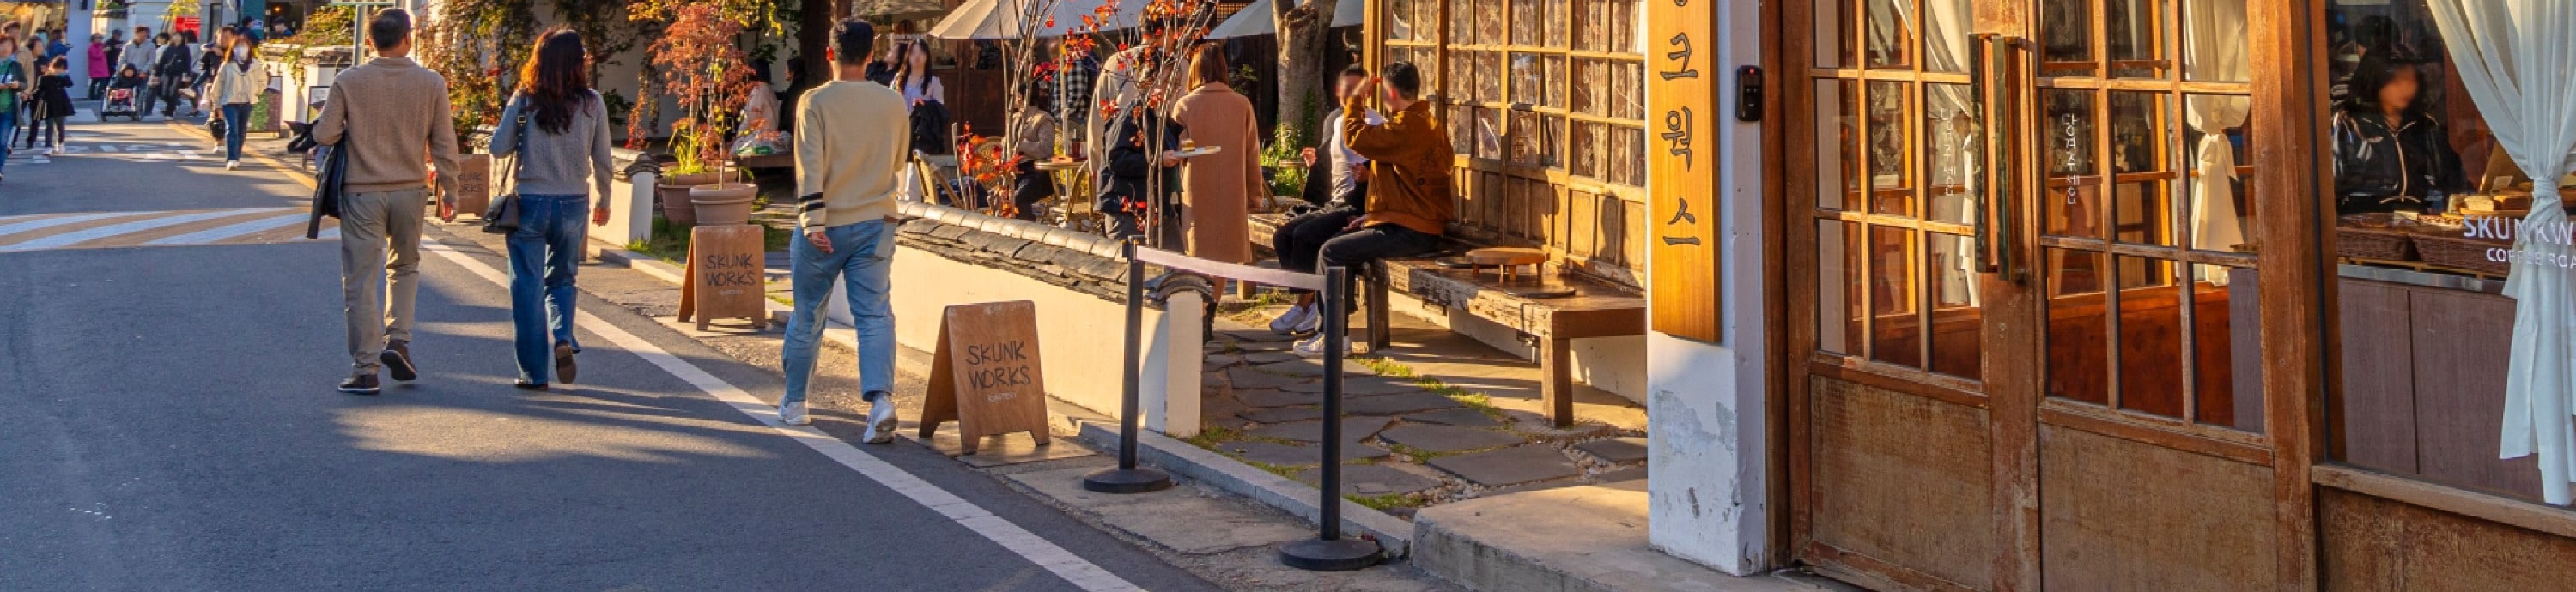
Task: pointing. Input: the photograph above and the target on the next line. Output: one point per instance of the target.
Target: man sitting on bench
(1299, 239)
(1408, 194)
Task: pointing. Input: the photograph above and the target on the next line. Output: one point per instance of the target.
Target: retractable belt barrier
(1328, 550)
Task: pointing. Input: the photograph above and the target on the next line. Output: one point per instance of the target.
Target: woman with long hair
(2390, 154)
(923, 94)
(238, 82)
(1219, 191)
(557, 129)
(54, 102)
(913, 77)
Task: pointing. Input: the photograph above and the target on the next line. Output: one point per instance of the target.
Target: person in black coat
(53, 104)
(1127, 179)
(2389, 154)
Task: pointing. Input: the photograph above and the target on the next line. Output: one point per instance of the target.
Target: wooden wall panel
(2119, 515)
(2376, 545)
(1904, 480)
(2462, 351)
(2378, 396)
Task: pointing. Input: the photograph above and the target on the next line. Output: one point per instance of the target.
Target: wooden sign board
(986, 375)
(1682, 116)
(473, 185)
(727, 276)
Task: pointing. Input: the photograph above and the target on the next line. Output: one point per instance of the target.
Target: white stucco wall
(1079, 336)
(1710, 475)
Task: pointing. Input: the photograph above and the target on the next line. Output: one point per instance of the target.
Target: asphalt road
(167, 422)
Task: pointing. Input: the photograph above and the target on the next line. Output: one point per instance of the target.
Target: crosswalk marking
(80, 236)
(154, 228)
(227, 231)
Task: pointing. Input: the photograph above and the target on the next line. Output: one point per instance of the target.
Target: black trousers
(1300, 240)
(1355, 249)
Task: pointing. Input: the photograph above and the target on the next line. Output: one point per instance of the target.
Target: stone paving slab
(1372, 480)
(1280, 414)
(1291, 455)
(1366, 385)
(1400, 403)
(1441, 438)
(1256, 335)
(1306, 367)
(1265, 346)
(1616, 450)
(1354, 429)
(1461, 417)
(1276, 398)
(1269, 357)
(1215, 361)
(1509, 466)
(1244, 378)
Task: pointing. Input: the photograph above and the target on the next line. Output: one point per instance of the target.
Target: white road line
(1044, 553)
(229, 231)
(77, 237)
(42, 223)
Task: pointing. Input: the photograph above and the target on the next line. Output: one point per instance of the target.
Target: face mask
(241, 53)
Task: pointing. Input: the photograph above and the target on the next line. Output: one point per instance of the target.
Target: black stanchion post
(1129, 478)
(1328, 551)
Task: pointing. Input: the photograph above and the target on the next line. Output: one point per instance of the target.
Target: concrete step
(1588, 538)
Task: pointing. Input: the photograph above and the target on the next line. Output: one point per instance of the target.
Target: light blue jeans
(862, 259)
(542, 255)
(8, 128)
(236, 123)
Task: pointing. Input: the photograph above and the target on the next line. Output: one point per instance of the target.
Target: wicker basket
(2462, 253)
(2375, 244)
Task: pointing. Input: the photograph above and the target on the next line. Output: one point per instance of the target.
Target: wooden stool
(1510, 259)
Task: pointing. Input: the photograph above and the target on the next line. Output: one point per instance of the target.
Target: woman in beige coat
(1219, 190)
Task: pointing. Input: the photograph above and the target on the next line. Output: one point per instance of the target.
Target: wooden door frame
(2295, 279)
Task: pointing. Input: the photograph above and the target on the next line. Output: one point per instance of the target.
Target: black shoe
(564, 368)
(362, 384)
(397, 359)
(534, 386)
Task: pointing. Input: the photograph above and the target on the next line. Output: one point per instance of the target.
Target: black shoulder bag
(502, 217)
(333, 176)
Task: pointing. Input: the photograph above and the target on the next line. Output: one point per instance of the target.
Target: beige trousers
(379, 269)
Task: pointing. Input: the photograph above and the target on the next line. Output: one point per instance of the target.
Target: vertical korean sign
(1682, 162)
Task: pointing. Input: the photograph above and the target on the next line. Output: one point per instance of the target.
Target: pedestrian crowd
(173, 71)
(390, 130)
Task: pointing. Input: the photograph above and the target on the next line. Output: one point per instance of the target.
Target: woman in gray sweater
(558, 129)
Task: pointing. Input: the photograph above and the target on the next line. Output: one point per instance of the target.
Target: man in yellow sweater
(850, 142)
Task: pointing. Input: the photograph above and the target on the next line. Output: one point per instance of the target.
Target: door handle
(2000, 70)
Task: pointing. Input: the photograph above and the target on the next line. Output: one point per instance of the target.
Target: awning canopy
(1254, 19)
(1001, 19)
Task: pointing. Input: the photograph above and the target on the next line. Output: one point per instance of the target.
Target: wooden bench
(1594, 309)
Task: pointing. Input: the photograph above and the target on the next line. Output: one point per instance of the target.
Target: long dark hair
(556, 80)
(2377, 70)
(903, 68)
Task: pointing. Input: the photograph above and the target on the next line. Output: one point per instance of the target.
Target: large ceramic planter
(723, 203)
(672, 194)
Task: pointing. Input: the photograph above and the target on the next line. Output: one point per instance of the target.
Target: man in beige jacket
(387, 113)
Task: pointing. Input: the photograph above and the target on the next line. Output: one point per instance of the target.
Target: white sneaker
(1313, 347)
(793, 414)
(1296, 316)
(232, 165)
(54, 151)
(881, 421)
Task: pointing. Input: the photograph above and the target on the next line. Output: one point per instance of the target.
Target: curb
(1225, 474)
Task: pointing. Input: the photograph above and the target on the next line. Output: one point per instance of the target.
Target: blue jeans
(542, 253)
(236, 123)
(9, 122)
(862, 259)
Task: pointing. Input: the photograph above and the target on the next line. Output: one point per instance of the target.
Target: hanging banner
(1681, 157)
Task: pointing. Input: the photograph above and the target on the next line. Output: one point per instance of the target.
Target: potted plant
(710, 76)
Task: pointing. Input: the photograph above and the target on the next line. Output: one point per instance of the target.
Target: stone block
(1354, 429)
(1509, 466)
(1373, 480)
(1461, 417)
(1616, 450)
(1397, 403)
(1442, 439)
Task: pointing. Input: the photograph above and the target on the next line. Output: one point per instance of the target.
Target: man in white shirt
(1301, 239)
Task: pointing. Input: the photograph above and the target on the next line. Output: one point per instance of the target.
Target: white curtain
(1952, 137)
(2518, 61)
(2214, 37)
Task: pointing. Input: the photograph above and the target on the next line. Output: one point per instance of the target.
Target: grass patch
(1209, 436)
(670, 242)
(1388, 501)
